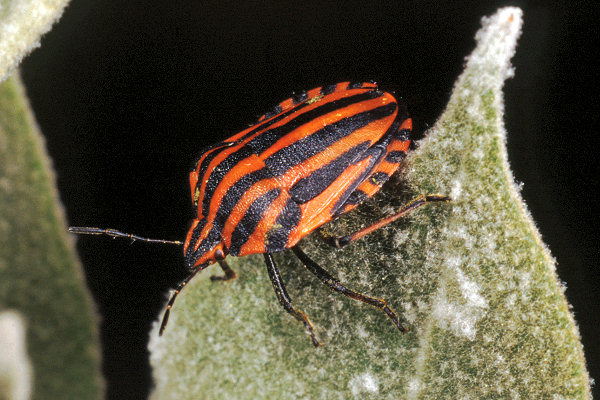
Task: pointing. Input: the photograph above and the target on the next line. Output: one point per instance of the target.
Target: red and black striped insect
(313, 157)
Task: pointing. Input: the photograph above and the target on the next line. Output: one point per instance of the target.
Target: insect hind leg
(337, 286)
(419, 201)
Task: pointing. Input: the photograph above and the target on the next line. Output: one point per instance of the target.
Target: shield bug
(315, 156)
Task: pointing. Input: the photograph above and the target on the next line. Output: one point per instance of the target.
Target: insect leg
(336, 285)
(421, 200)
(178, 290)
(285, 300)
(229, 273)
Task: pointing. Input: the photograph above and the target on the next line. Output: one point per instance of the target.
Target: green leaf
(22, 23)
(40, 277)
(471, 279)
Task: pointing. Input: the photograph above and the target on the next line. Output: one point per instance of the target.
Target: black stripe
(300, 97)
(287, 220)
(403, 134)
(379, 178)
(210, 241)
(303, 149)
(395, 156)
(357, 197)
(376, 152)
(349, 196)
(196, 233)
(266, 139)
(236, 191)
(204, 165)
(276, 110)
(310, 187)
(355, 85)
(328, 89)
(370, 95)
(244, 229)
(217, 174)
(205, 150)
(228, 202)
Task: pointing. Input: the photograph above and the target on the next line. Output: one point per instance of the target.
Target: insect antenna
(88, 230)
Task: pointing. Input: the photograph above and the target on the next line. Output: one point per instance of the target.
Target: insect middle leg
(285, 300)
(336, 285)
(419, 201)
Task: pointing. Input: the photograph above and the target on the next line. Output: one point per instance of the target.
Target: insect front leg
(285, 300)
(229, 273)
(178, 290)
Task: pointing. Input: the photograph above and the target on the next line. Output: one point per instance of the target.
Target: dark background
(127, 94)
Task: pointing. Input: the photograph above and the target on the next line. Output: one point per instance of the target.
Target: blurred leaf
(22, 24)
(15, 367)
(40, 276)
